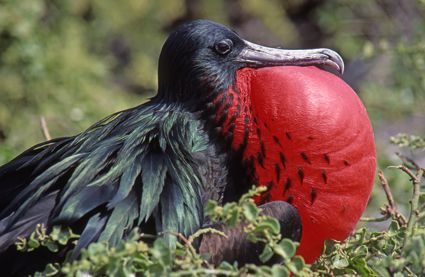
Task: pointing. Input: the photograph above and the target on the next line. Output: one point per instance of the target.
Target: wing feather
(121, 220)
(154, 170)
(135, 166)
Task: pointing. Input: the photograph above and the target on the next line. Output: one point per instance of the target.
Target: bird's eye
(224, 46)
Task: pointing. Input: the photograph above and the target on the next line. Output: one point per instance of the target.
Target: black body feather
(151, 162)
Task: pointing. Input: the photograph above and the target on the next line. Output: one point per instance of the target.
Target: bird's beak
(254, 55)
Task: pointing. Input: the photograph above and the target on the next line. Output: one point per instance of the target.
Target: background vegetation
(76, 61)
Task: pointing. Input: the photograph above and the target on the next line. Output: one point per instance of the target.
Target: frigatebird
(155, 165)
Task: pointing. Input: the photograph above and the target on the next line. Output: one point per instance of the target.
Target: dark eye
(224, 46)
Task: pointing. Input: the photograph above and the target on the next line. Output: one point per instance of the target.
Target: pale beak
(254, 55)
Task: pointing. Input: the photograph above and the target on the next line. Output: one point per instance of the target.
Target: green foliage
(259, 229)
(369, 253)
(397, 251)
(55, 62)
(376, 253)
(59, 236)
(411, 141)
(156, 259)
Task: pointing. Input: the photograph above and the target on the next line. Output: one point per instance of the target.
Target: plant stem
(206, 271)
(389, 210)
(375, 219)
(414, 203)
(45, 129)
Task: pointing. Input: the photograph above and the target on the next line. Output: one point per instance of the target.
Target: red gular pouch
(309, 139)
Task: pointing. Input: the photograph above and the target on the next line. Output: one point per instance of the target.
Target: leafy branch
(411, 141)
(399, 250)
(59, 236)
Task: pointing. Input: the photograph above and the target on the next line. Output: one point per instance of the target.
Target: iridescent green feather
(133, 166)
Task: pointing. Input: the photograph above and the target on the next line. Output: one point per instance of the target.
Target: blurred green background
(76, 61)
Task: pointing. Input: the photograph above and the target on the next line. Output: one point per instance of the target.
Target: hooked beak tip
(334, 60)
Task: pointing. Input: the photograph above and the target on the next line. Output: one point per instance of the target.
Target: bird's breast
(307, 137)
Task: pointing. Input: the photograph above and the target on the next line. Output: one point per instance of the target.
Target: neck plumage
(240, 131)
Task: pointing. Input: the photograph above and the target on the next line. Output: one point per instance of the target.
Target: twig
(387, 189)
(187, 243)
(414, 203)
(407, 161)
(375, 219)
(205, 272)
(178, 235)
(390, 209)
(415, 178)
(44, 128)
(204, 231)
(148, 236)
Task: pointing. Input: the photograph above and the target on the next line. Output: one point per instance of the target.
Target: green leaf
(51, 270)
(394, 226)
(55, 233)
(267, 254)
(361, 251)
(52, 246)
(96, 249)
(226, 266)
(234, 218)
(210, 207)
(297, 264)
(162, 253)
(339, 262)
(362, 268)
(270, 224)
(62, 234)
(286, 249)
(250, 211)
(228, 209)
(381, 271)
(32, 243)
(279, 271)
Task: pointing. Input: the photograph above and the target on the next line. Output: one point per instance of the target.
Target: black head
(198, 56)
(201, 57)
